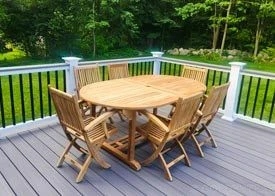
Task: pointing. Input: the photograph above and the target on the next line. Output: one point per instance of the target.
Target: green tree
(214, 11)
(265, 15)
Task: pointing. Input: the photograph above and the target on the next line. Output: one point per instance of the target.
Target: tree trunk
(257, 38)
(94, 38)
(216, 31)
(226, 26)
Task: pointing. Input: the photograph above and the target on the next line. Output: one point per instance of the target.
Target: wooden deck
(243, 164)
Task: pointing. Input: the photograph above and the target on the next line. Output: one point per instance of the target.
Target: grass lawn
(260, 66)
(250, 103)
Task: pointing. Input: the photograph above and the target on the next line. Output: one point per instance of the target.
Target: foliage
(54, 28)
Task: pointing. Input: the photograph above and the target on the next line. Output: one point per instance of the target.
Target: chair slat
(117, 71)
(194, 73)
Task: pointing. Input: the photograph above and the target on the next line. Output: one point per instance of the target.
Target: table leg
(132, 131)
(93, 110)
(126, 143)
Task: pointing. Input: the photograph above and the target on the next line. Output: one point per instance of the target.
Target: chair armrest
(80, 101)
(99, 120)
(199, 113)
(155, 120)
(196, 120)
(203, 101)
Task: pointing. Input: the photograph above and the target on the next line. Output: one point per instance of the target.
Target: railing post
(70, 81)
(156, 70)
(233, 91)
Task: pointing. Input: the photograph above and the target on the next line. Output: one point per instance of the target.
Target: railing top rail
(260, 74)
(114, 61)
(194, 63)
(32, 68)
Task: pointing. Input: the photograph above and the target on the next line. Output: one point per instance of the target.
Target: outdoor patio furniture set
(87, 128)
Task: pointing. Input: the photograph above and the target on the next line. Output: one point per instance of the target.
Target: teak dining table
(133, 94)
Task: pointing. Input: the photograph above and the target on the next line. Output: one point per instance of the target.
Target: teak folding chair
(209, 108)
(198, 74)
(117, 71)
(160, 131)
(85, 75)
(92, 131)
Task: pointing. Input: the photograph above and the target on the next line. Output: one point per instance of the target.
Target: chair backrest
(85, 75)
(117, 71)
(214, 100)
(194, 73)
(67, 110)
(185, 112)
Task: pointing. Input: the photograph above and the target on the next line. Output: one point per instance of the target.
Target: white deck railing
(24, 83)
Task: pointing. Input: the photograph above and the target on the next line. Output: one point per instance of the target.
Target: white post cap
(239, 64)
(71, 58)
(157, 54)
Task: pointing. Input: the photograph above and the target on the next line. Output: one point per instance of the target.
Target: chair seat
(97, 132)
(152, 131)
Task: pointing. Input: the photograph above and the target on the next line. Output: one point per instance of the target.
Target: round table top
(140, 92)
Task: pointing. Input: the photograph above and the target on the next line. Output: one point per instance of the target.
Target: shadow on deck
(243, 164)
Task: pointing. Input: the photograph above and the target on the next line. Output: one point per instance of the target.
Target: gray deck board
(5, 188)
(14, 178)
(243, 164)
(40, 184)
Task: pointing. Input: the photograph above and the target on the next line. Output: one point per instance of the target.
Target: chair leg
(167, 173)
(84, 169)
(94, 150)
(197, 145)
(186, 158)
(77, 146)
(214, 144)
(155, 154)
(101, 110)
(171, 112)
(68, 147)
(121, 117)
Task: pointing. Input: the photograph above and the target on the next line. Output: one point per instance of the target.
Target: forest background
(34, 31)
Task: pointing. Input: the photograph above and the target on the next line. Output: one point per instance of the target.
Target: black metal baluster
(240, 95)
(145, 68)
(161, 67)
(256, 97)
(2, 106)
(56, 79)
(49, 96)
(207, 78)
(248, 95)
(22, 98)
(141, 69)
(103, 73)
(170, 68)
(40, 95)
(31, 96)
(136, 64)
(12, 100)
(214, 78)
(227, 77)
(264, 101)
(180, 69)
(272, 107)
(174, 65)
(152, 67)
(220, 81)
(64, 81)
